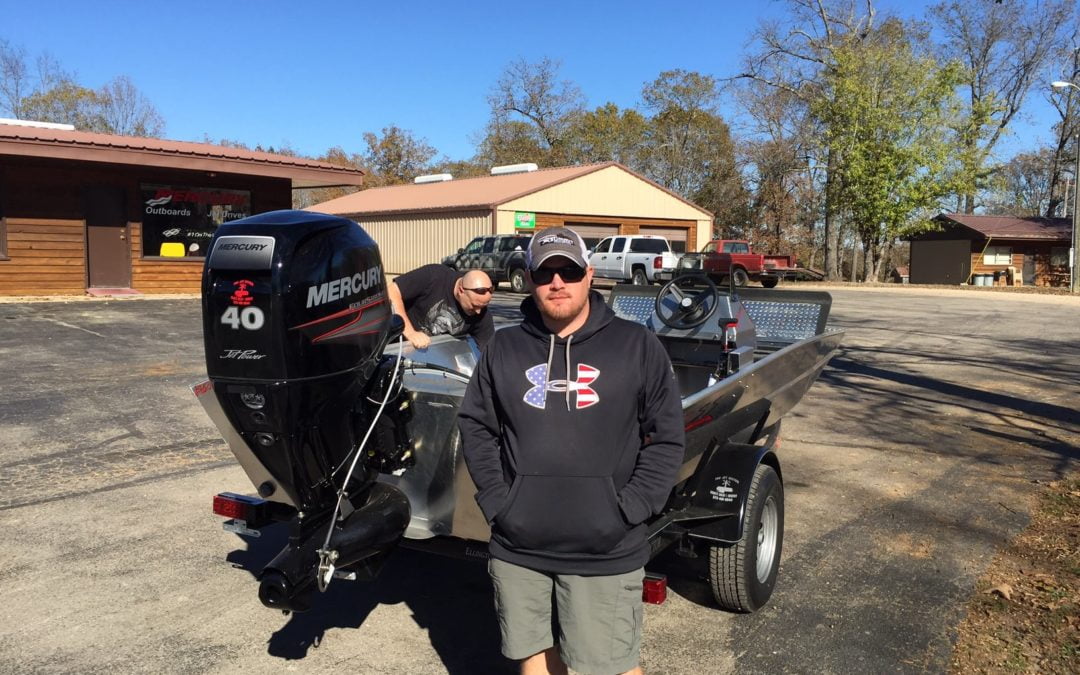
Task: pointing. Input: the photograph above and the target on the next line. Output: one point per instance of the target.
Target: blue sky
(319, 74)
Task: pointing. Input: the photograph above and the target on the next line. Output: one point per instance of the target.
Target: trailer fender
(724, 487)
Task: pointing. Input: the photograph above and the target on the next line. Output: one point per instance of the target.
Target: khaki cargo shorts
(597, 619)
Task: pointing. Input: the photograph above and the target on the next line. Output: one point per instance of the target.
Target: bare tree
(125, 111)
(1066, 66)
(14, 79)
(1004, 47)
(1023, 185)
(19, 81)
(533, 93)
(47, 93)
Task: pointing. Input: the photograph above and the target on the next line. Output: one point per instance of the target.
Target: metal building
(422, 223)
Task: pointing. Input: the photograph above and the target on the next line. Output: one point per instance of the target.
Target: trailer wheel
(517, 280)
(638, 277)
(770, 282)
(741, 277)
(742, 575)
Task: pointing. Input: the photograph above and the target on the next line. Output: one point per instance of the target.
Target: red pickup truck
(721, 257)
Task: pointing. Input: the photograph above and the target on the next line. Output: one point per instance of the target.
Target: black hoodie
(568, 469)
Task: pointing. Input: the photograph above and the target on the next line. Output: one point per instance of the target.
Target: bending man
(437, 300)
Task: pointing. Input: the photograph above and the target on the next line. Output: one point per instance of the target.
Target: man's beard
(564, 310)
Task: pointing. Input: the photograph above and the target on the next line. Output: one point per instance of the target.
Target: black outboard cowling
(295, 321)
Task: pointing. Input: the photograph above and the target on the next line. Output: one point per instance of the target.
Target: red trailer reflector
(230, 507)
(253, 511)
(654, 589)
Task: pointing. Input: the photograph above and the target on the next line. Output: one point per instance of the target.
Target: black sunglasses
(568, 273)
(483, 290)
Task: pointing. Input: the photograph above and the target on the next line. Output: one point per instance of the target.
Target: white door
(614, 260)
(599, 256)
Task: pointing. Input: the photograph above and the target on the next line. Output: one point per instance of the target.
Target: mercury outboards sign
(295, 322)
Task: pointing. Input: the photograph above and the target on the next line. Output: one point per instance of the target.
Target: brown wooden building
(82, 212)
(968, 246)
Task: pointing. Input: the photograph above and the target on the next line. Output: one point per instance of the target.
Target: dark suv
(502, 256)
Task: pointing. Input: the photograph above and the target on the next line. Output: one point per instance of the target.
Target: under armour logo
(584, 395)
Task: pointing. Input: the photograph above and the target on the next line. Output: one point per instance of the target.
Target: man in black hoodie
(572, 431)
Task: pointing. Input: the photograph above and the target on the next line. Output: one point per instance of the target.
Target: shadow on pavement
(1046, 411)
(451, 599)
(892, 398)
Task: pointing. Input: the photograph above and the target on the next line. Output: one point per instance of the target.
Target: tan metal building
(419, 224)
(103, 214)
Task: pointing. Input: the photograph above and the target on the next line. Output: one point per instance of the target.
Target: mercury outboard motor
(295, 321)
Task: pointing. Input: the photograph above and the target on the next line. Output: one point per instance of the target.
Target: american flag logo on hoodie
(585, 396)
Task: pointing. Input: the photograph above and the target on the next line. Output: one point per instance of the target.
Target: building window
(1059, 256)
(178, 222)
(997, 255)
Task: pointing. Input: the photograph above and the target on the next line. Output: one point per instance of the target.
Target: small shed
(971, 249)
(83, 212)
(422, 223)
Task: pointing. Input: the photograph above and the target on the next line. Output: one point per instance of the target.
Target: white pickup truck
(637, 258)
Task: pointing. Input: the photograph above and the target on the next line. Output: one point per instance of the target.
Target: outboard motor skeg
(295, 321)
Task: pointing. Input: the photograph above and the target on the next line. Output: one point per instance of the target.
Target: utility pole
(1074, 262)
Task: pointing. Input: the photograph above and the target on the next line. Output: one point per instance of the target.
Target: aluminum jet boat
(349, 435)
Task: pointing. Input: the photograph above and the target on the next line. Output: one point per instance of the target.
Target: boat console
(706, 331)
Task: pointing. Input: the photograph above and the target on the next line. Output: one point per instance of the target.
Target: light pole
(1074, 263)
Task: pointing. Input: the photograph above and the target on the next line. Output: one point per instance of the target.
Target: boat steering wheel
(695, 299)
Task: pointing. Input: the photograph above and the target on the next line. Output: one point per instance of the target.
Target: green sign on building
(524, 220)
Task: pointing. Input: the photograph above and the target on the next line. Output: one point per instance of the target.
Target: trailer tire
(638, 277)
(742, 575)
(517, 280)
(741, 277)
(771, 282)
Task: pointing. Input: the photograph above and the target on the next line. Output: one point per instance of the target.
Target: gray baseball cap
(555, 241)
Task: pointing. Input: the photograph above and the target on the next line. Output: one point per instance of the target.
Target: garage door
(940, 262)
(676, 235)
(592, 234)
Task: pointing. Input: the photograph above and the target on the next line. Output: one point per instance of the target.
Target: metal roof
(483, 192)
(81, 146)
(1012, 227)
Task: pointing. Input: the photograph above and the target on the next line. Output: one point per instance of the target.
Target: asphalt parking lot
(916, 455)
